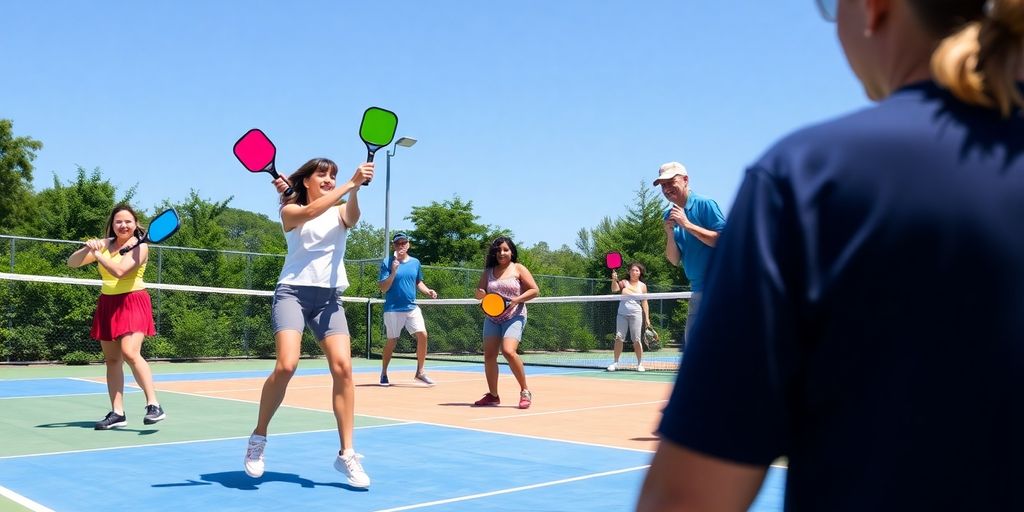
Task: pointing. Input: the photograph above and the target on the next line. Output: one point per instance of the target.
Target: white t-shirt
(316, 253)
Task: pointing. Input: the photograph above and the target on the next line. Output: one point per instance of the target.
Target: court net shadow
(240, 481)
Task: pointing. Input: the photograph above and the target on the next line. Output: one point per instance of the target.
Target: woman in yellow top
(124, 314)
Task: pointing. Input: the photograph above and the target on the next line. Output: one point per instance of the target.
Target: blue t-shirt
(402, 294)
(694, 254)
(864, 313)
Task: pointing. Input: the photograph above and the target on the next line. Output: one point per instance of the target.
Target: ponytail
(980, 61)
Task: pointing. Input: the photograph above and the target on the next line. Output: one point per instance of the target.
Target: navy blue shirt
(864, 313)
(694, 254)
(401, 296)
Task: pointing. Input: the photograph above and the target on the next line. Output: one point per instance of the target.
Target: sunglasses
(828, 9)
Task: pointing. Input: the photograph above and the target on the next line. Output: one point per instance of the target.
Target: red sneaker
(525, 399)
(487, 400)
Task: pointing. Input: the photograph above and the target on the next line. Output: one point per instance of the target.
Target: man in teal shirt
(692, 225)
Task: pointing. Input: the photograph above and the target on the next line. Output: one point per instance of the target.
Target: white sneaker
(640, 368)
(353, 470)
(612, 367)
(254, 456)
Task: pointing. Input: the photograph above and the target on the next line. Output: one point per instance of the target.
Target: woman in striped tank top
(504, 275)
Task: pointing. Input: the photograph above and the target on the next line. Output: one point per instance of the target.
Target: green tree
(364, 242)
(16, 156)
(448, 232)
(78, 209)
(639, 236)
(251, 232)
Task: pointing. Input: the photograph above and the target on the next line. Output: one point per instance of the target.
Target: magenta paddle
(257, 154)
(613, 260)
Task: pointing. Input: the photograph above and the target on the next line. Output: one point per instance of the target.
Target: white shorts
(412, 321)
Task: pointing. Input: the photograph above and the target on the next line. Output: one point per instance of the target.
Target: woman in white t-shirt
(308, 295)
(633, 316)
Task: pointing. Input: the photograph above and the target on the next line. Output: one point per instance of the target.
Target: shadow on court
(470, 404)
(91, 426)
(238, 480)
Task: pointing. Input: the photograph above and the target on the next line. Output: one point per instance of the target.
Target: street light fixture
(405, 142)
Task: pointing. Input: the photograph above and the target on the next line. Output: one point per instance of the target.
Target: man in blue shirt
(400, 276)
(692, 225)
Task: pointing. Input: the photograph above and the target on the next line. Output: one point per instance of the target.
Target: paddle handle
(273, 172)
(369, 158)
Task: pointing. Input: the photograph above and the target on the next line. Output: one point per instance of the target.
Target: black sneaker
(112, 420)
(154, 413)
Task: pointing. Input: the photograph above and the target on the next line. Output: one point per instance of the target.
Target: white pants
(412, 321)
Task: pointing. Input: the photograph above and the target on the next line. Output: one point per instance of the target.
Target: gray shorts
(511, 328)
(297, 307)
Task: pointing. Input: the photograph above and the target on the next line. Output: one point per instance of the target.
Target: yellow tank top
(129, 283)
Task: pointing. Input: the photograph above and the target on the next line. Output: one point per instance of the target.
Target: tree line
(48, 323)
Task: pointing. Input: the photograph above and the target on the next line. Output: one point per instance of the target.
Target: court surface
(584, 445)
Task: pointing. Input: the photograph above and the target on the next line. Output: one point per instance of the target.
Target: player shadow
(395, 385)
(470, 404)
(240, 481)
(91, 426)
(652, 438)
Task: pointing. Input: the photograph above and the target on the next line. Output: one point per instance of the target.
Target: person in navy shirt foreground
(864, 310)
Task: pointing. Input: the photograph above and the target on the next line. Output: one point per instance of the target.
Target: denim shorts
(511, 328)
(296, 307)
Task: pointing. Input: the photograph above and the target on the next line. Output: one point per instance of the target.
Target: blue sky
(548, 115)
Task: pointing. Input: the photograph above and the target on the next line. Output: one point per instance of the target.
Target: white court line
(23, 501)
(191, 441)
(510, 434)
(515, 489)
(561, 411)
(52, 396)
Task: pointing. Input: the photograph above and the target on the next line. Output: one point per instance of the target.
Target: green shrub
(79, 358)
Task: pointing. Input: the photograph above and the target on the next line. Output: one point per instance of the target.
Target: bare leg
(638, 349)
(131, 351)
(385, 357)
(618, 349)
(508, 349)
(289, 345)
(491, 344)
(338, 349)
(115, 374)
(421, 351)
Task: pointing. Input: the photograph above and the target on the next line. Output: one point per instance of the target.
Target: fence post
(369, 328)
(248, 304)
(10, 312)
(160, 280)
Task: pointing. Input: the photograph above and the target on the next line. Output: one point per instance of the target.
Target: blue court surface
(52, 387)
(414, 466)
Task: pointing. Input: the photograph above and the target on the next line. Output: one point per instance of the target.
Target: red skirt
(117, 315)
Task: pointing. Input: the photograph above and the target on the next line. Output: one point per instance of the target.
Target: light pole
(405, 142)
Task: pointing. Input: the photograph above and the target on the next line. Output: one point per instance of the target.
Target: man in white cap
(692, 225)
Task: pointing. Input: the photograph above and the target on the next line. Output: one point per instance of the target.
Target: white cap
(669, 171)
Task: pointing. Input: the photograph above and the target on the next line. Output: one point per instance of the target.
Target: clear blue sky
(546, 114)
